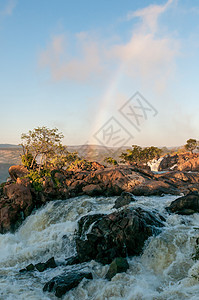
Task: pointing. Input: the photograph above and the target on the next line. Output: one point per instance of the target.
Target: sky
(111, 72)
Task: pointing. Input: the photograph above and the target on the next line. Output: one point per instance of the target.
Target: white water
(165, 270)
(154, 164)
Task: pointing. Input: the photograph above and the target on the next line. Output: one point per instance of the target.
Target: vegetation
(111, 161)
(191, 145)
(138, 155)
(42, 149)
(43, 152)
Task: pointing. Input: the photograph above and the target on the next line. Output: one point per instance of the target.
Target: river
(166, 269)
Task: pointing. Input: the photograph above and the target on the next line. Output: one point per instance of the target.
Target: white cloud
(149, 15)
(147, 55)
(81, 67)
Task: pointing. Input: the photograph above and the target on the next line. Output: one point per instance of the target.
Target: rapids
(167, 269)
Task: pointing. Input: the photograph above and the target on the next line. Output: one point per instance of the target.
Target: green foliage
(191, 145)
(139, 155)
(80, 164)
(37, 177)
(27, 159)
(42, 143)
(111, 161)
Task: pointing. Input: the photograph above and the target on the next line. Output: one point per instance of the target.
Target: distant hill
(9, 155)
(9, 146)
(96, 152)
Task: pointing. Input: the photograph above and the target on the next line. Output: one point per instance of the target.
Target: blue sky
(74, 64)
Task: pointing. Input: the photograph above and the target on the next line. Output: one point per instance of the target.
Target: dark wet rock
(118, 265)
(124, 199)
(85, 222)
(185, 205)
(117, 234)
(41, 266)
(73, 260)
(30, 267)
(64, 283)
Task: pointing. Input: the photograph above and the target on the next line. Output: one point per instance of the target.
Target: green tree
(131, 155)
(138, 155)
(42, 144)
(111, 161)
(191, 145)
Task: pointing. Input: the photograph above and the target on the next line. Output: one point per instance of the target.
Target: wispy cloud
(80, 67)
(8, 8)
(148, 54)
(149, 15)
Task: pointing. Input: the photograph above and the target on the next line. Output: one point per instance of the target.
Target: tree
(139, 155)
(132, 155)
(41, 144)
(191, 145)
(111, 161)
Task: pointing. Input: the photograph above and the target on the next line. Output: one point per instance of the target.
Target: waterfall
(154, 164)
(166, 269)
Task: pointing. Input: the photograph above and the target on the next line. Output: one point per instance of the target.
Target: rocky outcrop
(18, 198)
(17, 172)
(154, 187)
(65, 282)
(118, 265)
(182, 162)
(15, 206)
(185, 205)
(123, 200)
(105, 237)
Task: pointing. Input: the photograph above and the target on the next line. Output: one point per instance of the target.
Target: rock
(92, 190)
(182, 162)
(114, 235)
(64, 283)
(168, 162)
(185, 205)
(73, 260)
(154, 187)
(118, 265)
(17, 172)
(16, 207)
(30, 267)
(123, 200)
(41, 266)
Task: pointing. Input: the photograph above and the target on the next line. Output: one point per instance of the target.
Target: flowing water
(154, 164)
(166, 270)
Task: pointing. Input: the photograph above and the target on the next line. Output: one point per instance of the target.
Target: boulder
(17, 172)
(92, 190)
(124, 199)
(15, 206)
(65, 282)
(168, 161)
(118, 234)
(185, 205)
(118, 265)
(183, 162)
(41, 266)
(154, 187)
